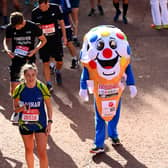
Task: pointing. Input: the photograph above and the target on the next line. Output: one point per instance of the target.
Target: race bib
(30, 115)
(106, 91)
(108, 108)
(21, 50)
(48, 29)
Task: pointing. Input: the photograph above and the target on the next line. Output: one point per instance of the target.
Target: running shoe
(100, 9)
(76, 42)
(58, 78)
(96, 150)
(92, 12)
(52, 68)
(165, 26)
(50, 88)
(156, 27)
(125, 21)
(116, 17)
(116, 141)
(74, 64)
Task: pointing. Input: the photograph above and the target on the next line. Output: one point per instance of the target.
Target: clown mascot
(105, 56)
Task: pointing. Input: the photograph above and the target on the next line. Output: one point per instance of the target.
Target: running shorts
(74, 3)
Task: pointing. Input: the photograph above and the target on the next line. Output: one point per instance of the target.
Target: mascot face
(105, 48)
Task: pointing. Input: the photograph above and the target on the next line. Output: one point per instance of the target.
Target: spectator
(159, 12)
(99, 7)
(118, 12)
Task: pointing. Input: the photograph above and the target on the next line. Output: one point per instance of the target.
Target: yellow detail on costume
(105, 34)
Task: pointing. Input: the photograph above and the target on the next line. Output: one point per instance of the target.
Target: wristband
(50, 121)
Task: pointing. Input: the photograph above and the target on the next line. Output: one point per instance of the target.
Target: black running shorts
(75, 3)
(51, 50)
(24, 131)
(16, 66)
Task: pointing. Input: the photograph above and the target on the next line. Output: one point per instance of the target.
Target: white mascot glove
(133, 91)
(83, 93)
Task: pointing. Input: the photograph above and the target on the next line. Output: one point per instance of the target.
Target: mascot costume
(105, 57)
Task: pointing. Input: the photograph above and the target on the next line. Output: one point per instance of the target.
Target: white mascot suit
(105, 57)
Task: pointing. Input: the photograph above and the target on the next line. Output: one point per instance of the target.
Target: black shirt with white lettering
(23, 40)
(48, 21)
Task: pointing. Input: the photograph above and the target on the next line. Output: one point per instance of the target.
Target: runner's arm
(49, 108)
(41, 43)
(62, 24)
(6, 43)
(49, 113)
(16, 107)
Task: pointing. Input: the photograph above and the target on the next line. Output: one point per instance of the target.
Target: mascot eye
(100, 45)
(88, 47)
(113, 44)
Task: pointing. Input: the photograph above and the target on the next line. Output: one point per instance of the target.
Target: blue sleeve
(130, 76)
(84, 78)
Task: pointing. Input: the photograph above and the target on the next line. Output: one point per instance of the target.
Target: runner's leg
(41, 141)
(29, 146)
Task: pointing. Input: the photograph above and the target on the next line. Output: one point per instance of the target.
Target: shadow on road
(78, 113)
(132, 162)
(6, 101)
(57, 157)
(4, 162)
(103, 157)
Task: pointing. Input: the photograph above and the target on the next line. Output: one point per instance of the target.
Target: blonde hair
(25, 68)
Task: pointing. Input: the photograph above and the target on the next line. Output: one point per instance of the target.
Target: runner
(99, 7)
(49, 16)
(118, 12)
(75, 20)
(21, 33)
(4, 6)
(66, 7)
(29, 98)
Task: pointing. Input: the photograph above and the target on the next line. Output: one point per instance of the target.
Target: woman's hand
(19, 109)
(48, 129)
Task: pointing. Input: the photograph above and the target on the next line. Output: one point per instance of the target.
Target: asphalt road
(143, 126)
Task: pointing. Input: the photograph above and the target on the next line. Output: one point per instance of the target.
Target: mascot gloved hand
(133, 91)
(105, 57)
(83, 93)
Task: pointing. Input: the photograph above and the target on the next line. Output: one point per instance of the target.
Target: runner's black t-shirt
(48, 21)
(23, 40)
